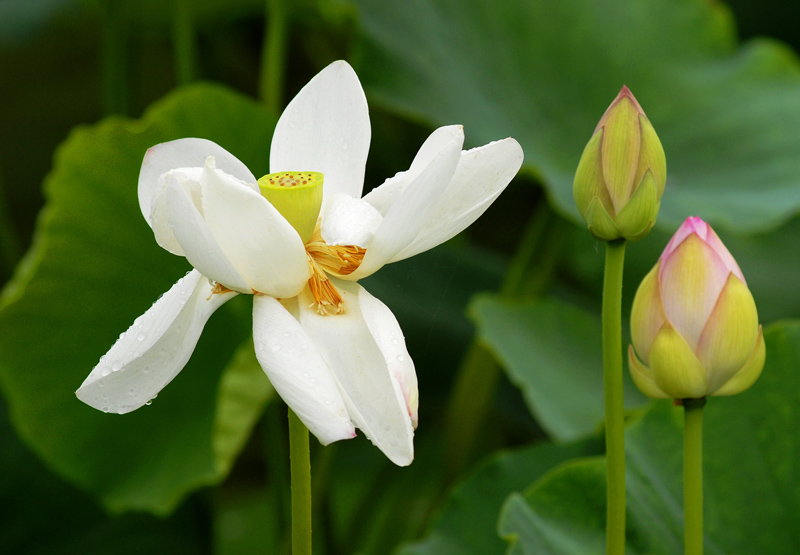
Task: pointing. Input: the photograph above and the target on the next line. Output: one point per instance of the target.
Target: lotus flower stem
(115, 59)
(693, 475)
(301, 486)
(612, 381)
(478, 373)
(185, 46)
(273, 55)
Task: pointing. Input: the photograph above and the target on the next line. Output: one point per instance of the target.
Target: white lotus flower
(333, 352)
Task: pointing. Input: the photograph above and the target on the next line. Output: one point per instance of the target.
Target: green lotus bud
(297, 196)
(622, 172)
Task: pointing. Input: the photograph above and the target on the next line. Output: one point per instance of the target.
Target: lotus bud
(621, 174)
(694, 324)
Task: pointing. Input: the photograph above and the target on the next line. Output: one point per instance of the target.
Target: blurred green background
(502, 321)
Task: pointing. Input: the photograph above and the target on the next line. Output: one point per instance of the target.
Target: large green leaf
(43, 515)
(93, 269)
(751, 486)
(467, 524)
(550, 350)
(544, 72)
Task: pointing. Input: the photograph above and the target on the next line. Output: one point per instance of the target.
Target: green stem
(115, 59)
(184, 39)
(273, 56)
(615, 410)
(693, 475)
(478, 373)
(301, 486)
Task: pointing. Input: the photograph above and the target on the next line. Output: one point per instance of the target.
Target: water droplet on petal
(141, 337)
(146, 369)
(105, 372)
(275, 348)
(345, 146)
(116, 367)
(105, 409)
(395, 342)
(132, 391)
(400, 358)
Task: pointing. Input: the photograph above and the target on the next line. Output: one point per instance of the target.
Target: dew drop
(104, 396)
(146, 369)
(105, 372)
(105, 409)
(305, 374)
(148, 403)
(395, 342)
(400, 358)
(132, 391)
(312, 379)
(345, 146)
(101, 384)
(275, 348)
(116, 367)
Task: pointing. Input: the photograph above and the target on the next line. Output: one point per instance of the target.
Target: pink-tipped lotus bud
(694, 324)
(621, 174)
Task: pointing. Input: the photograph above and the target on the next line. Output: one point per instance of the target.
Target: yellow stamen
(341, 260)
(324, 259)
(217, 288)
(327, 297)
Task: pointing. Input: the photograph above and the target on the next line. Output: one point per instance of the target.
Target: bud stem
(693, 475)
(301, 485)
(615, 409)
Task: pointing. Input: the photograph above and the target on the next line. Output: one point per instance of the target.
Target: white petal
(184, 153)
(325, 128)
(384, 196)
(348, 221)
(370, 389)
(297, 371)
(412, 209)
(189, 180)
(196, 240)
(482, 174)
(263, 247)
(154, 349)
(389, 337)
